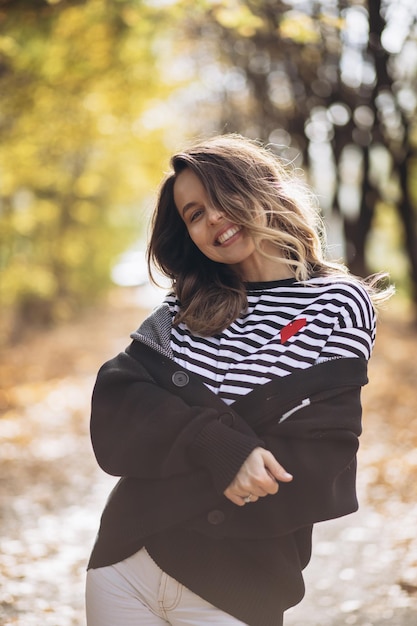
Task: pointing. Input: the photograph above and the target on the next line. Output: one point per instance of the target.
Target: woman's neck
(258, 268)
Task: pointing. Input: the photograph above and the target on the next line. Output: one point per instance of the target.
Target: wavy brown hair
(244, 180)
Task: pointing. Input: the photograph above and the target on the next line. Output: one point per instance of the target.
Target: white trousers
(136, 592)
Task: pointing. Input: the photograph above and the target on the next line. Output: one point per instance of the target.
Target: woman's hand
(257, 477)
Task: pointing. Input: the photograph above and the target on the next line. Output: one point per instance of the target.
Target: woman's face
(213, 233)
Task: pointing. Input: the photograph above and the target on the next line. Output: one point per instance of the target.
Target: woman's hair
(244, 180)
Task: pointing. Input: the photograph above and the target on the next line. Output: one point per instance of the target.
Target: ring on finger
(247, 498)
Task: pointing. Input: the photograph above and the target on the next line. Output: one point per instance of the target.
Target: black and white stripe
(340, 322)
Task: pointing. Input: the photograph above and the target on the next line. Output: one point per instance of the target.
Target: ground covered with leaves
(364, 567)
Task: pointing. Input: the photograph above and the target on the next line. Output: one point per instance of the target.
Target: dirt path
(364, 568)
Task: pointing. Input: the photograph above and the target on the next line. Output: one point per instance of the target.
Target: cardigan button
(180, 379)
(228, 419)
(215, 517)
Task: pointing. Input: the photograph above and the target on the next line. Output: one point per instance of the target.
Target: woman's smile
(226, 236)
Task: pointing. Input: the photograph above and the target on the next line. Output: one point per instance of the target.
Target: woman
(233, 417)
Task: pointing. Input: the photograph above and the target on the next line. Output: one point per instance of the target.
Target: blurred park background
(95, 95)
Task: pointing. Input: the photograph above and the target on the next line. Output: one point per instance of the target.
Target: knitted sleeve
(141, 429)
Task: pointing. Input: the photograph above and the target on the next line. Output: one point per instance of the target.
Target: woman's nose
(214, 215)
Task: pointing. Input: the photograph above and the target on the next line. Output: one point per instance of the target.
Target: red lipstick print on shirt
(292, 328)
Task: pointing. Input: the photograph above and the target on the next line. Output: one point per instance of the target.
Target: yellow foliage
(47, 212)
(88, 184)
(239, 17)
(73, 250)
(8, 46)
(299, 27)
(334, 21)
(84, 212)
(23, 222)
(8, 182)
(22, 278)
(79, 82)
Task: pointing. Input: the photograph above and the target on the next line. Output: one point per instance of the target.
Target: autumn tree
(94, 95)
(330, 86)
(80, 87)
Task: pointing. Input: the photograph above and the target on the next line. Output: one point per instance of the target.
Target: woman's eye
(196, 214)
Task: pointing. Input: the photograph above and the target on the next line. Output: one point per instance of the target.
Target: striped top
(288, 326)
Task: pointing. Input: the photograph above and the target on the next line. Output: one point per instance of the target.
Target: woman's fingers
(240, 500)
(275, 470)
(258, 477)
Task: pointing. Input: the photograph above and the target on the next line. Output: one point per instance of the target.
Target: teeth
(228, 234)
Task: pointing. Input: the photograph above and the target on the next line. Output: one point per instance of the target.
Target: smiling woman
(215, 234)
(227, 185)
(233, 417)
